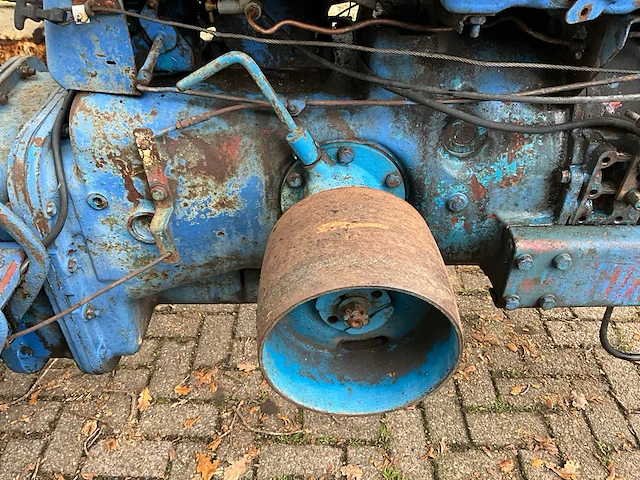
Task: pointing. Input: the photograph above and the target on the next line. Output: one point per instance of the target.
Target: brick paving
(535, 398)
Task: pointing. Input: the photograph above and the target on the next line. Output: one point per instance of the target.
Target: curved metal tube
(38, 257)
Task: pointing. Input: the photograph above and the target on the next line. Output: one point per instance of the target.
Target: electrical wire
(87, 299)
(604, 340)
(362, 48)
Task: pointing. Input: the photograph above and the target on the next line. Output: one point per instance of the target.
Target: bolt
(476, 22)
(562, 261)
(547, 302)
(90, 312)
(27, 71)
(4, 98)
(79, 17)
(565, 176)
(633, 197)
(457, 202)
(345, 154)
(524, 262)
(51, 209)
(356, 315)
(635, 116)
(72, 265)
(511, 302)
(159, 193)
(293, 108)
(294, 180)
(464, 135)
(393, 180)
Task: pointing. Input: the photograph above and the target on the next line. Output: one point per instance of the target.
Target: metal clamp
(79, 14)
(154, 168)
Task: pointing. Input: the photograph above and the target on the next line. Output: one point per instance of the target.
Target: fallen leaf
(207, 378)
(58, 476)
(568, 472)
(181, 390)
(254, 409)
(352, 472)
(88, 476)
(612, 472)
(538, 462)
(4, 407)
(545, 443)
(144, 399)
(172, 454)
(33, 398)
(205, 466)
(253, 451)
(512, 346)
(507, 465)
(237, 468)
(578, 400)
(517, 390)
(111, 444)
(214, 445)
(188, 423)
(89, 427)
(247, 367)
(287, 421)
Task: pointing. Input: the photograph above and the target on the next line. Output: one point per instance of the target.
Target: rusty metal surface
(348, 239)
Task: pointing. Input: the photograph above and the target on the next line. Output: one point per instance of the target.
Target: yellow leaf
(214, 445)
(89, 427)
(237, 468)
(352, 472)
(538, 462)
(144, 399)
(181, 390)
(111, 444)
(512, 346)
(517, 390)
(205, 466)
(507, 465)
(33, 398)
(247, 367)
(207, 378)
(253, 451)
(188, 423)
(58, 476)
(578, 400)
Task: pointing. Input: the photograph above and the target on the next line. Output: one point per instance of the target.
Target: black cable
(604, 340)
(603, 122)
(56, 135)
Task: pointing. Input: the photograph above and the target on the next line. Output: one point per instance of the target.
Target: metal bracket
(79, 14)
(154, 168)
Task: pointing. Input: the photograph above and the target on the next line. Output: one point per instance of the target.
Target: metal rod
(146, 72)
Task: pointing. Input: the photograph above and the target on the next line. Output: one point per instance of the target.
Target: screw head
(524, 262)
(346, 154)
(26, 71)
(565, 176)
(293, 108)
(465, 134)
(90, 312)
(562, 261)
(356, 315)
(511, 302)
(159, 193)
(393, 180)
(51, 208)
(72, 265)
(547, 302)
(457, 202)
(294, 180)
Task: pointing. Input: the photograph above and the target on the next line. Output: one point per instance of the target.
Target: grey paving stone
(478, 389)
(408, 442)
(627, 465)
(370, 460)
(145, 357)
(477, 310)
(118, 412)
(184, 465)
(175, 325)
(624, 379)
(505, 363)
(214, 345)
(531, 469)
(71, 384)
(474, 279)
(477, 465)
(168, 420)
(528, 329)
(634, 420)
(562, 362)
(244, 350)
(454, 278)
(229, 386)
(234, 446)
(562, 313)
(620, 314)
(444, 416)
(534, 392)
(574, 334)
(501, 429)
(573, 438)
(129, 459)
(210, 309)
(275, 409)
(130, 380)
(28, 419)
(628, 336)
(246, 321)
(16, 384)
(172, 367)
(304, 460)
(64, 450)
(362, 428)
(19, 458)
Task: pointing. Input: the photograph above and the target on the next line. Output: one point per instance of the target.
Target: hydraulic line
(604, 340)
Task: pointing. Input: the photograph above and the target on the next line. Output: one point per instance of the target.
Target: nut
(294, 180)
(393, 180)
(345, 154)
(524, 262)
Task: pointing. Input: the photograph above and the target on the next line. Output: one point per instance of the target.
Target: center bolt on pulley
(356, 314)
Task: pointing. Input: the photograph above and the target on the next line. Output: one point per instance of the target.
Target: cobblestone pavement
(535, 398)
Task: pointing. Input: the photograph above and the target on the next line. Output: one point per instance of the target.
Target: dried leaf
(578, 400)
(545, 443)
(205, 466)
(89, 427)
(507, 465)
(181, 390)
(207, 378)
(253, 451)
(214, 445)
(88, 476)
(568, 472)
(237, 468)
(58, 476)
(172, 454)
(33, 398)
(612, 472)
(538, 462)
(512, 346)
(287, 421)
(111, 444)
(517, 390)
(352, 472)
(247, 367)
(188, 423)
(470, 369)
(3, 407)
(144, 399)
(254, 409)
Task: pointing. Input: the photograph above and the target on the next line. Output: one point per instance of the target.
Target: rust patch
(128, 171)
(477, 189)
